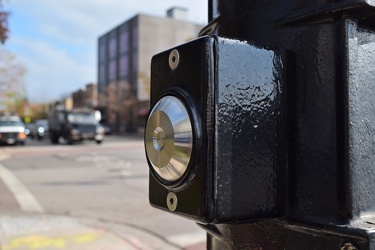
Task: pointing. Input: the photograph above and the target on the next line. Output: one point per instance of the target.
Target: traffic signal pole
(329, 122)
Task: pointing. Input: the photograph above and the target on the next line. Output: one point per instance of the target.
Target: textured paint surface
(248, 137)
(329, 124)
(361, 119)
(316, 92)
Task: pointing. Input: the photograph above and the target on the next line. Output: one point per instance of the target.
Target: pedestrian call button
(215, 136)
(169, 139)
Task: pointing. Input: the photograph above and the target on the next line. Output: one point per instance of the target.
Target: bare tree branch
(4, 30)
(12, 86)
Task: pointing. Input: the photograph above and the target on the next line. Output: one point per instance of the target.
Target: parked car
(12, 130)
(40, 130)
(106, 127)
(28, 128)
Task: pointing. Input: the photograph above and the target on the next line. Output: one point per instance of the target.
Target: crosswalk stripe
(23, 196)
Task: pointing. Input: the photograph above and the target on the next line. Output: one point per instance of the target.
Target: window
(102, 54)
(135, 36)
(112, 70)
(102, 77)
(101, 87)
(124, 66)
(112, 46)
(124, 40)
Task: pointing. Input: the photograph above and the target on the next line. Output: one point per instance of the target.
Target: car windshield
(4, 123)
(42, 123)
(81, 118)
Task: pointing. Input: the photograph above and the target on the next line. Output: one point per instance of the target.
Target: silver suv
(12, 130)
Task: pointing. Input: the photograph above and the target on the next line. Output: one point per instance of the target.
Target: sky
(57, 40)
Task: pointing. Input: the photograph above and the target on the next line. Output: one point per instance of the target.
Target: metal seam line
(23, 196)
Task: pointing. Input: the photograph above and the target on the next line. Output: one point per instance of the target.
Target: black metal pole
(330, 122)
(213, 10)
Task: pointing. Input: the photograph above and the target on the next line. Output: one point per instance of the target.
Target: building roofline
(178, 7)
(149, 15)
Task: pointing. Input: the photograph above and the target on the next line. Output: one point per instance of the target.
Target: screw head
(172, 201)
(174, 59)
(348, 246)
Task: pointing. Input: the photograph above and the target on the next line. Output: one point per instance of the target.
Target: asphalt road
(84, 196)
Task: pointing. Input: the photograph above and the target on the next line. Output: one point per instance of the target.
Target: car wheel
(53, 138)
(69, 141)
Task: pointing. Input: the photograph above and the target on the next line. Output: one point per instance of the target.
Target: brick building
(87, 97)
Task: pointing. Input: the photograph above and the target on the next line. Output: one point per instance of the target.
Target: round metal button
(169, 138)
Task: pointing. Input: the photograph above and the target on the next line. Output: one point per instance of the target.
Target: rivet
(171, 201)
(174, 59)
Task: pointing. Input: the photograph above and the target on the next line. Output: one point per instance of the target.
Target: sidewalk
(55, 232)
(20, 230)
(49, 232)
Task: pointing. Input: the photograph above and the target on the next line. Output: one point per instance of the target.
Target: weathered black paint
(280, 234)
(236, 92)
(330, 121)
(249, 178)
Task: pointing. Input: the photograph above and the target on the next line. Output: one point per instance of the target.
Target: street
(84, 196)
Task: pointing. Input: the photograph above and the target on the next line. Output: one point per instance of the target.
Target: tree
(37, 111)
(3, 24)
(12, 87)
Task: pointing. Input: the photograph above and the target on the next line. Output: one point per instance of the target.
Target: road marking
(23, 196)
(3, 156)
(40, 241)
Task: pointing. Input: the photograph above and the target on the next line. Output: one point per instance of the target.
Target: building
(87, 97)
(91, 96)
(124, 62)
(78, 98)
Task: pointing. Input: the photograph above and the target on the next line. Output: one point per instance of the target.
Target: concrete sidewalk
(49, 232)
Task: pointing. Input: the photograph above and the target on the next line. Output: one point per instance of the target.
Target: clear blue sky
(57, 40)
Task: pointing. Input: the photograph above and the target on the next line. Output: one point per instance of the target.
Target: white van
(12, 130)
